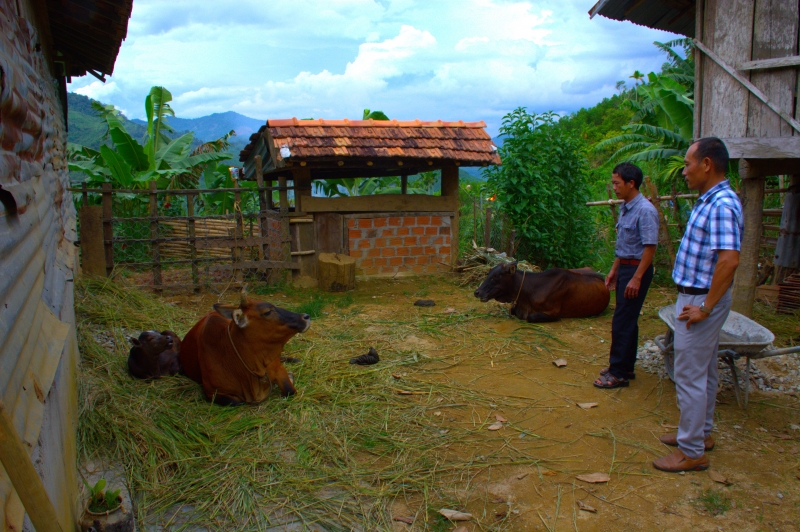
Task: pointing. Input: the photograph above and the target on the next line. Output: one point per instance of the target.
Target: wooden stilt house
(746, 93)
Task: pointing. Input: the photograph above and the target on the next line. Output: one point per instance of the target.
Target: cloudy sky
(428, 59)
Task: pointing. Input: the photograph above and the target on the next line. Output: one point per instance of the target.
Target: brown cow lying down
(154, 355)
(234, 353)
(547, 296)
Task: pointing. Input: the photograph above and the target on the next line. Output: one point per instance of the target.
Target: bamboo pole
(663, 227)
(263, 207)
(238, 231)
(487, 229)
(24, 478)
(108, 229)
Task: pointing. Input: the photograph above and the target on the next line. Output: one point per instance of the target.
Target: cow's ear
(512, 268)
(240, 318)
(225, 310)
(134, 341)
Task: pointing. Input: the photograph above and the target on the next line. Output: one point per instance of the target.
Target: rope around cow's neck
(240, 356)
(518, 293)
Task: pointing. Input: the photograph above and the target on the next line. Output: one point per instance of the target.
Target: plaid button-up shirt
(715, 224)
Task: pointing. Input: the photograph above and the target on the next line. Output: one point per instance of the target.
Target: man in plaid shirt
(704, 267)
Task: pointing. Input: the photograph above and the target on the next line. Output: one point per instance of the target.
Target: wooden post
(403, 184)
(474, 220)
(286, 239)
(663, 228)
(155, 247)
(238, 231)
(752, 197)
(108, 228)
(263, 206)
(450, 189)
(192, 240)
(85, 194)
(487, 228)
(697, 129)
(302, 186)
(611, 205)
(24, 478)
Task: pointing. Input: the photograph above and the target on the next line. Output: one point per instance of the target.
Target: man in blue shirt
(631, 274)
(704, 267)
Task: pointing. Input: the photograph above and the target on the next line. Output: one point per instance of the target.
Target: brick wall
(390, 244)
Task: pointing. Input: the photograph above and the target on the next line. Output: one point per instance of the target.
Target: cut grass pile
(337, 454)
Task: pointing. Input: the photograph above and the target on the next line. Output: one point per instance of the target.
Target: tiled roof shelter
(386, 234)
(344, 148)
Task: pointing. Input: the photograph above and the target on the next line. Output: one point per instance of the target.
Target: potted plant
(102, 502)
(104, 511)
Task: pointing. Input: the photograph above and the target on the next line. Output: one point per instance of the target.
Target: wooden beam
(744, 284)
(24, 478)
(754, 168)
(450, 191)
(763, 148)
(381, 203)
(698, 71)
(746, 83)
(763, 64)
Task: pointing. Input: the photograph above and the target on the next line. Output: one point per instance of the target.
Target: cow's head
(264, 320)
(499, 284)
(152, 342)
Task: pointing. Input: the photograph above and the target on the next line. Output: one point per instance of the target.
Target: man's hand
(611, 279)
(692, 314)
(632, 290)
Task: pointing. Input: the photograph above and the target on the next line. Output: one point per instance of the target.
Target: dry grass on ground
(350, 453)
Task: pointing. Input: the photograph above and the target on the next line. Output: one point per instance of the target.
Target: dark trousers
(625, 324)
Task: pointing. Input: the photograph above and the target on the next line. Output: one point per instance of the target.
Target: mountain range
(88, 129)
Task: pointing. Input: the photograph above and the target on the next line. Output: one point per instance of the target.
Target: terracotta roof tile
(467, 142)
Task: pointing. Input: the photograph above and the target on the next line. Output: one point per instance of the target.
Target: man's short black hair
(715, 150)
(629, 172)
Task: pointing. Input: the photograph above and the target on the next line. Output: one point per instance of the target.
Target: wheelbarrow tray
(739, 333)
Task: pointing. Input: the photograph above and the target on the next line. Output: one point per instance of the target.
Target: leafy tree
(542, 187)
(374, 115)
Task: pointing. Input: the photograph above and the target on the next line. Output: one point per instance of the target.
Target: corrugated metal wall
(38, 347)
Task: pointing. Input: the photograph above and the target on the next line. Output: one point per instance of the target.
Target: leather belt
(692, 291)
(630, 262)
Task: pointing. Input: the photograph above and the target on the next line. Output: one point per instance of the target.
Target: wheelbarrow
(740, 337)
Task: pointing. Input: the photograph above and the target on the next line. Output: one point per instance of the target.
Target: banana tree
(133, 165)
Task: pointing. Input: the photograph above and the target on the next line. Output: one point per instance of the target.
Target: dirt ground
(547, 440)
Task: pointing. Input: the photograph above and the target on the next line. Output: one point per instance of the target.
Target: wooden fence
(670, 216)
(184, 238)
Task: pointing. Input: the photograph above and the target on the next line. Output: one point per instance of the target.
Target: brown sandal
(630, 376)
(609, 381)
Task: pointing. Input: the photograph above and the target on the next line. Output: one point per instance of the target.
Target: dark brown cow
(547, 296)
(234, 353)
(154, 355)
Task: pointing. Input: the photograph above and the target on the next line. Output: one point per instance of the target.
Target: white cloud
(449, 59)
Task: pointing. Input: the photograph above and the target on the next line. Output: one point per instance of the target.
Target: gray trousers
(696, 374)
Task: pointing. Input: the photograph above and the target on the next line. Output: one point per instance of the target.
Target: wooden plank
(698, 72)
(255, 264)
(24, 478)
(774, 36)
(108, 229)
(155, 251)
(450, 191)
(749, 168)
(764, 64)
(787, 251)
(763, 148)
(381, 203)
(749, 86)
(329, 228)
(727, 30)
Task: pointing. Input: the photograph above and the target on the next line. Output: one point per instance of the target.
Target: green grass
(715, 502)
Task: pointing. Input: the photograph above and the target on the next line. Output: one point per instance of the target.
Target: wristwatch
(703, 308)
